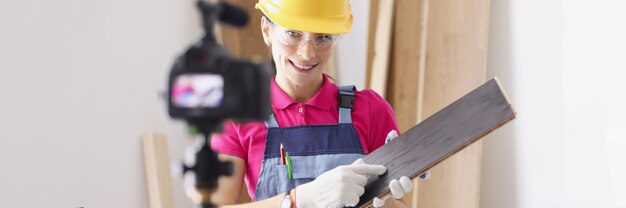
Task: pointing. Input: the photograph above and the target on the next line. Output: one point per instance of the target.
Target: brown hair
(269, 51)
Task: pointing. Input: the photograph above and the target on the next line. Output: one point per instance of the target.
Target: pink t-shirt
(372, 118)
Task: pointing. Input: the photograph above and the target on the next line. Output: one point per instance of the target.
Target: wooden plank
(157, 166)
(440, 136)
(456, 62)
(331, 67)
(408, 56)
(371, 39)
(246, 42)
(414, 197)
(405, 61)
(455, 181)
(380, 64)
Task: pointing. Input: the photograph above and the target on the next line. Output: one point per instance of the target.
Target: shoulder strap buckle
(346, 96)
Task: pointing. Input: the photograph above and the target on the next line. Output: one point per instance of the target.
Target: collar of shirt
(322, 99)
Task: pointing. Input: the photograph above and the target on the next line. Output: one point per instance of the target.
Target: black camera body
(206, 84)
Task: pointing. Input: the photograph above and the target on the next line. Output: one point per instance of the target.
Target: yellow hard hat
(317, 16)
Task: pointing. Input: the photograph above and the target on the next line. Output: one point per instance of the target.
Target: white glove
(339, 187)
(398, 187)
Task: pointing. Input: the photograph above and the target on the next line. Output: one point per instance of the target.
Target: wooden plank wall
(371, 39)
(382, 46)
(246, 42)
(456, 62)
(406, 70)
(438, 53)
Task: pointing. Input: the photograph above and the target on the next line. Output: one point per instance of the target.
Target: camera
(207, 84)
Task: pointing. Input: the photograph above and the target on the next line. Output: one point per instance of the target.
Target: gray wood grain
(438, 137)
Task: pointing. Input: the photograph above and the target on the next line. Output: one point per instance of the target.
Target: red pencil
(282, 154)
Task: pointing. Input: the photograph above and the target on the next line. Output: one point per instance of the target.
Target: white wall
(78, 86)
(562, 63)
(523, 161)
(595, 110)
(352, 48)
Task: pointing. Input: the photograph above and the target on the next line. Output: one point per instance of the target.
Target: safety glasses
(296, 38)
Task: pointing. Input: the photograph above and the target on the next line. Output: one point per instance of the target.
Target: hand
(339, 187)
(391, 135)
(398, 187)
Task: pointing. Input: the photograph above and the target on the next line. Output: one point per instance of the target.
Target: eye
(293, 34)
(325, 38)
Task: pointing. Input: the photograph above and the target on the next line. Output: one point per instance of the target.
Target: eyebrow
(287, 29)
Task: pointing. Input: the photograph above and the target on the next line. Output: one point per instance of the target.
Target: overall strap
(271, 122)
(346, 99)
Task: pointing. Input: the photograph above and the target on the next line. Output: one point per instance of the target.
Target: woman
(307, 154)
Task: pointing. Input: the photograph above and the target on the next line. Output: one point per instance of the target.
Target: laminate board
(438, 137)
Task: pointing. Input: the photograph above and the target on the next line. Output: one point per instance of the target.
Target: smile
(302, 68)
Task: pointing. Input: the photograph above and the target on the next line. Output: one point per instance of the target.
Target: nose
(306, 50)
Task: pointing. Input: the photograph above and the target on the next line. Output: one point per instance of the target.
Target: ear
(266, 26)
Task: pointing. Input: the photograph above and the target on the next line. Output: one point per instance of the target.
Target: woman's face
(300, 57)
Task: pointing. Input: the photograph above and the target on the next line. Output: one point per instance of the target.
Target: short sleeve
(228, 142)
(382, 120)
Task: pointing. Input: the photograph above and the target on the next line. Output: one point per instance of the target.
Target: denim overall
(314, 149)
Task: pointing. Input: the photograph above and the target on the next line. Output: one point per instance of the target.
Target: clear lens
(296, 38)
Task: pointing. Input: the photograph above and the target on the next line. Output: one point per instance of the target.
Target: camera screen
(198, 91)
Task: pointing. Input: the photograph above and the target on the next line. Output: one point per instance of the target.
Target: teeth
(302, 67)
